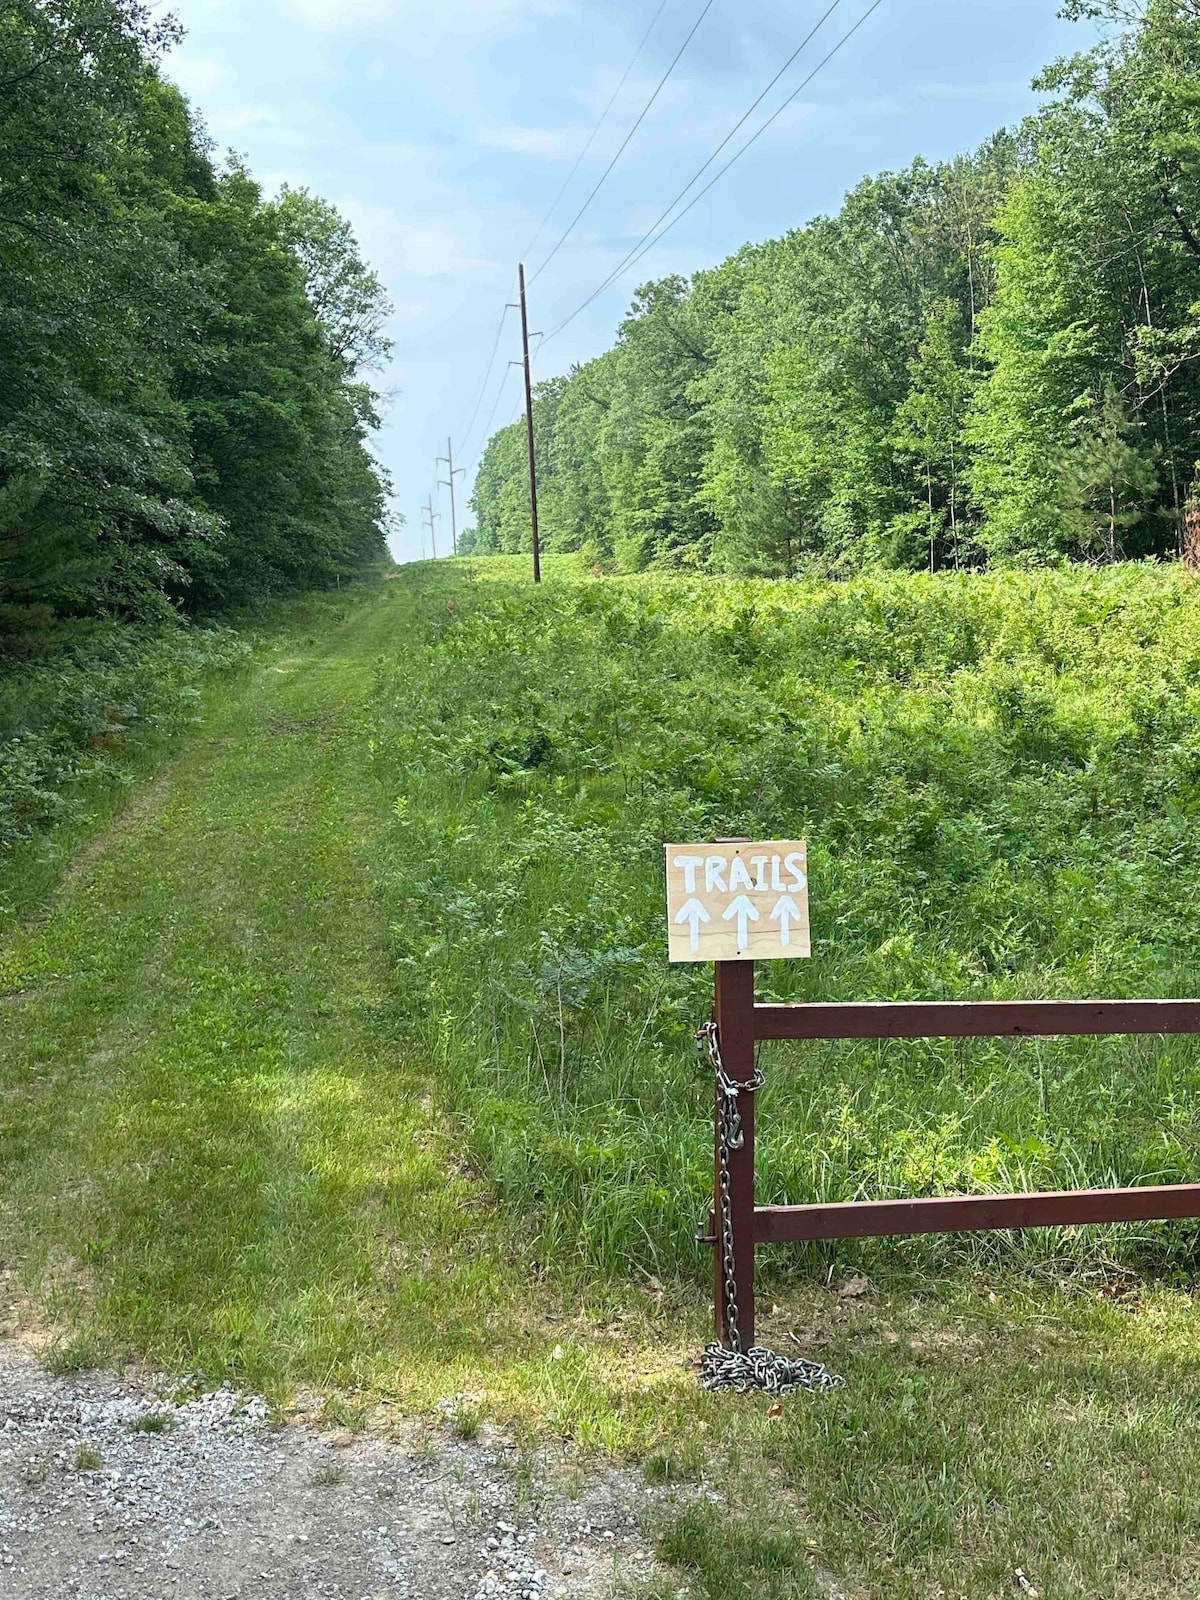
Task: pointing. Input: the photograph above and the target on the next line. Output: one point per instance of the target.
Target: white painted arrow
(785, 909)
(694, 913)
(746, 912)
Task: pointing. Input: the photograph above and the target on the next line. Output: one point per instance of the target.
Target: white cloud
(361, 13)
(411, 310)
(195, 75)
(397, 248)
(232, 120)
(511, 136)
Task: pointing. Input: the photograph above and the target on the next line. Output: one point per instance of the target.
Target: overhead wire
(740, 123)
(533, 355)
(465, 433)
(487, 427)
(651, 238)
(641, 116)
(647, 243)
(591, 138)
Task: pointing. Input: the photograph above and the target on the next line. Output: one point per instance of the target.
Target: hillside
(996, 777)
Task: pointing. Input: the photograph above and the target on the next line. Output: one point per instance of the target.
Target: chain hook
(735, 1368)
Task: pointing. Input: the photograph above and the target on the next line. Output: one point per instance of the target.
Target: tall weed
(999, 779)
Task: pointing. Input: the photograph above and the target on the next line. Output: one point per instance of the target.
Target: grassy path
(215, 1153)
(210, 1148)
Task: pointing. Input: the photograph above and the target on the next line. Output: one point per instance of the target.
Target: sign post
(733, 1013)
(734, 902)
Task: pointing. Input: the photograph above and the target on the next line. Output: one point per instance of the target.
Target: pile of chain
(759, 1368)
(733, 1367)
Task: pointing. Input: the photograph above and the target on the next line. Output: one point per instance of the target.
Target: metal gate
(741, 1022)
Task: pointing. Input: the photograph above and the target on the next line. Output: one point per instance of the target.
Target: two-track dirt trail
(210, 1147)
(214, 1156)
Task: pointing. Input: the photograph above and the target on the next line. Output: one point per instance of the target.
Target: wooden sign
(738, 901)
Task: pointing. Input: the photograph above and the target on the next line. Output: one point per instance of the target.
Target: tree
(927, 375)
(929, 425)
(345, 294)
(1108, 478)
(178, 424)
(1097, 284)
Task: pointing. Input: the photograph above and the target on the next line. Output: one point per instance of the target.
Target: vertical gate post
(733, 1013)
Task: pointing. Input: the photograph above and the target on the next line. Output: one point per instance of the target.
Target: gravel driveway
(112, 1490)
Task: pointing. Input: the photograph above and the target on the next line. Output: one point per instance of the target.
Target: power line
(487, 427)
(624, 142)
(429, 519)
(529, 248)
(453, 472)
(533, 505)
(646, 243)
(475, 456)
(464, 433)
(741, 122)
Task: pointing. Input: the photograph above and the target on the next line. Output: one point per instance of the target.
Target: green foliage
(83, 1353)
(998, 778)
(222, 1147)
(992, 359)
(73, 725)
(929, 427)
(737, 1558)
(181, 417)
(154, 1422)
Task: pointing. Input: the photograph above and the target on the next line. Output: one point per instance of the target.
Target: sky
(445, 129)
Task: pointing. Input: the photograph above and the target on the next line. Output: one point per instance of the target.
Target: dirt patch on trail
(144, 800)
(113, 1489)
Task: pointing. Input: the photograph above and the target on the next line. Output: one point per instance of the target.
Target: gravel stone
(221, 1505)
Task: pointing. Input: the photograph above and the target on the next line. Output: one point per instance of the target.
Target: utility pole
(448, 458)
(533, 518)
(430, 517)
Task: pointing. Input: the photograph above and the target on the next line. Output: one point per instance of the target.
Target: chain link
(735, 1368)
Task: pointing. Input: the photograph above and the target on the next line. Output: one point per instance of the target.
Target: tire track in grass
(210, 1142)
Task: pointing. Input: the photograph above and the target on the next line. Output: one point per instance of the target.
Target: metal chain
(735, 1368)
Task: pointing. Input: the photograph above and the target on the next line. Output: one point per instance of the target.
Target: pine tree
(1108, 478)
(929, 425)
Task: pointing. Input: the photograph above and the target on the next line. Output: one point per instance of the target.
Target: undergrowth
(999, 779)
(74, 724)
(87, 707)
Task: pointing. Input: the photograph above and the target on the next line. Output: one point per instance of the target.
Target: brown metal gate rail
(741, 1023)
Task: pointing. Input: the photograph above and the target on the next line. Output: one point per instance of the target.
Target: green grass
(740, 1557)
(95, 707)
(348, 1061)
(211, 1148)
(154, 1422)
(999, 779)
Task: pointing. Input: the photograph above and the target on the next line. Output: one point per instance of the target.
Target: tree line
(993, 359)
(184, 417)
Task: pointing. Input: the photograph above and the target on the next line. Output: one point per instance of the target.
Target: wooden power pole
(430, 517)
(453, 471)
(533, 517)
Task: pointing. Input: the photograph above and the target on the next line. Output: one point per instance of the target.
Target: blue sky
(444, 129)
